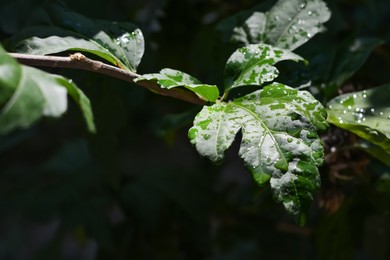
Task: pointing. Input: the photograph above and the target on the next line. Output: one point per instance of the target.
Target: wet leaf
(288, 25)
(169, 78)
(365, 113)
(253, 65)
(119, 43)
(27, 94)
(279, 139)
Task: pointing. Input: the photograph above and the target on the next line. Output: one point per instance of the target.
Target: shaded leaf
(119, 43)
(169, 78)
(374, 150)
(253, 65)
(333, 67)
(288, 25)
(30, 94)
(365, 113)
(279, 139)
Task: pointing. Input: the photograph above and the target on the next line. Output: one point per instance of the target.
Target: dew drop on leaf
(281, 165)
(206, 137)
(192, 133)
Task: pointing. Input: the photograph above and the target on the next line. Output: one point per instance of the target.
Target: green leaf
(253, 65)
(375, 151)
(119, 43)
(334, 66)
(279, 139)
(27, 94)
(252, 31)
(365, 113)
(169, 78)
(288, 25)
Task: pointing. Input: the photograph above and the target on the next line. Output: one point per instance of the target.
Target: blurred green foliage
(138, 190)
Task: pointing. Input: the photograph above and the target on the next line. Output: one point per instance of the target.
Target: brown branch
(79, 61)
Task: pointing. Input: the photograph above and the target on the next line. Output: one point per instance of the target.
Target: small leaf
(169, 78)
(365, 113)
(30, 94)
(119, 43)
(279, 139)
(253, 65)
(288, 25)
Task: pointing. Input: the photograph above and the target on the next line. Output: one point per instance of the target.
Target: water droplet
(381, 113)
(303, 5)
(206, 137)
(345, 111)
(289, 139)
(281, 165)
(349, 107)
(354, 96)
(310, 13)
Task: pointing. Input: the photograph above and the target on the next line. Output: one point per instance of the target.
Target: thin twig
(79, 61)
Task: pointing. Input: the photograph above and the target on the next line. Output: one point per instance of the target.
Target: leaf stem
(224, 96)
(79, 61)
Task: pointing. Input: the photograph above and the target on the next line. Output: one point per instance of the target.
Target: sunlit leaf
(119, 43)
(288, 25)
(169, 78)
(365, 113)
(279, 139)
(27, 94)
(253, 65)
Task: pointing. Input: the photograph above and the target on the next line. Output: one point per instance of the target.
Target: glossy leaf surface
(169, 78)
(253, 65)
(365, 113)
(279, 139)
(288, 25)
(119, 43)
(27, 94)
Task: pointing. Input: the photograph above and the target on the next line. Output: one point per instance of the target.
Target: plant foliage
(27, 94)
(276, 125)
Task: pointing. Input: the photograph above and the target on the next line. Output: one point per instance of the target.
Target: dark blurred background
(138, 190)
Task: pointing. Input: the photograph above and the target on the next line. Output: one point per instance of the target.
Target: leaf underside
(279, 143)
